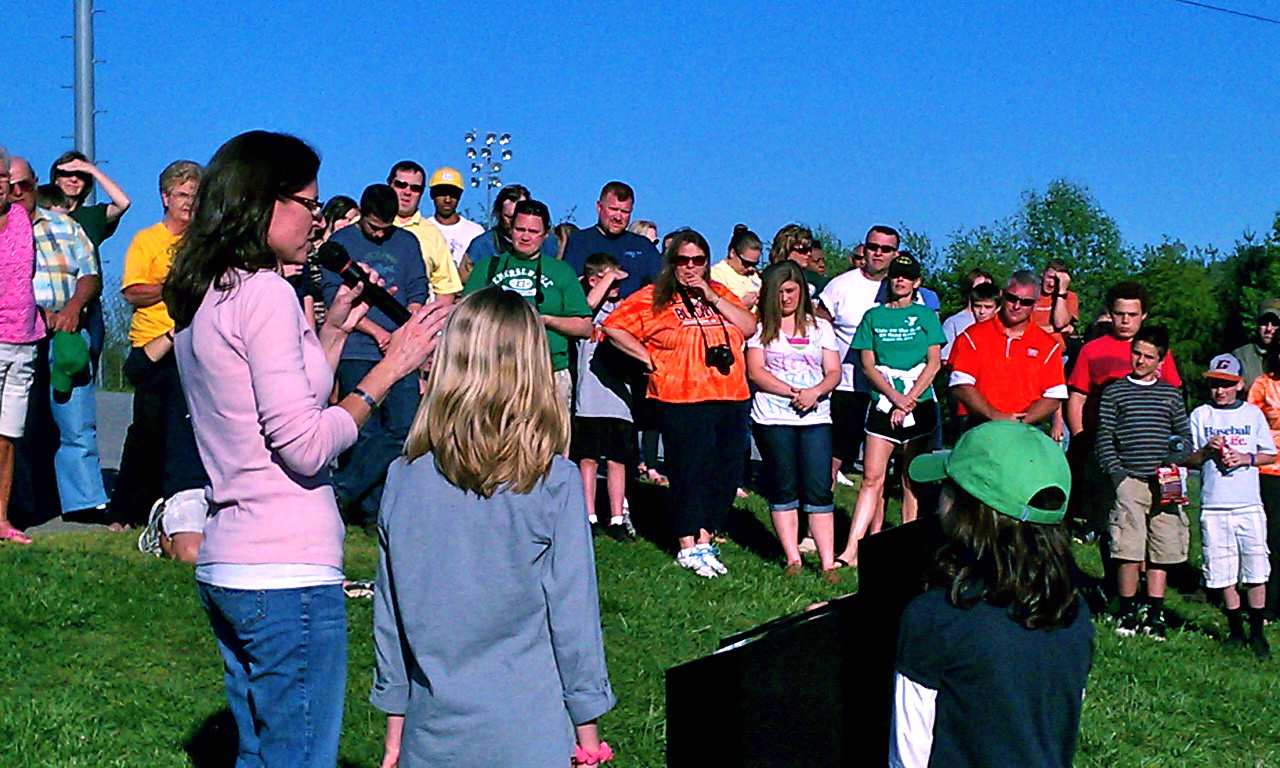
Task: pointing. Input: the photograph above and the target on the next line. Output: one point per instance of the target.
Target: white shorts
(17, 369)
(1235, 546)
(184, 512)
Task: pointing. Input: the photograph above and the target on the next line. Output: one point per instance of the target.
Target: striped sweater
(1135, 421)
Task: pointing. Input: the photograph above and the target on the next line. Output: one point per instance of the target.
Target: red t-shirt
(1010, 373)
(1103, 360)
(678, 350)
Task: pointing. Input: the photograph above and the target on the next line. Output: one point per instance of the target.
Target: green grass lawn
(109, 661)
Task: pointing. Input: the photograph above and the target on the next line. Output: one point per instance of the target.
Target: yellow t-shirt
(442, 274)
(147, 263)
(739, 285)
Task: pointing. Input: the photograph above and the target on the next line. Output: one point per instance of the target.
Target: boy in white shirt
(1231, 440)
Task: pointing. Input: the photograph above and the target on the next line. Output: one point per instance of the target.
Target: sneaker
(1260, 647)
(842, 479)
(1154, 627)
(619, 532)
(807, 546)
(711, 556)
(1128, 624)
(1235, 639)
(691, 558)
(149, 539)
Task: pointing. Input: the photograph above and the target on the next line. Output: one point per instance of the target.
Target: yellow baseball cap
(446, 177)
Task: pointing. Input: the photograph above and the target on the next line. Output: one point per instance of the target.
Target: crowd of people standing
(272, 405)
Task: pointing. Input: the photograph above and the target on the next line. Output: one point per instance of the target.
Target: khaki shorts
(1138, 532)
(17, 370)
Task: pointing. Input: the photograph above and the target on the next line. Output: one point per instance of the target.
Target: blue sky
(840, 114)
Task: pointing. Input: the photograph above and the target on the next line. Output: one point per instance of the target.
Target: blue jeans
(284, 653)
(363, 469)
(797, 466)
(77, 465)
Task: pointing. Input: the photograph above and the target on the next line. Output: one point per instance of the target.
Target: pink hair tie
(603, 754)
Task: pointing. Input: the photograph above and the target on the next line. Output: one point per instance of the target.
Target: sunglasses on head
(878, 248)
(401, 184)
(1009, 298)
(687, 261)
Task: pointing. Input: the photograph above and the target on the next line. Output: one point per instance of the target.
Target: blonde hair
(491, 416)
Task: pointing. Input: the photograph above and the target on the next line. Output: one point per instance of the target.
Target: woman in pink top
(20, 327)
(257, 380)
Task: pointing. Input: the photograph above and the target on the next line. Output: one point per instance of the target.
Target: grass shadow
(214, 743)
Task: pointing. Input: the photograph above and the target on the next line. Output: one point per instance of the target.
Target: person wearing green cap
(1004, 635)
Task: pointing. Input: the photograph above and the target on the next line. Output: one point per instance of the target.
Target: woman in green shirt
(900, 346)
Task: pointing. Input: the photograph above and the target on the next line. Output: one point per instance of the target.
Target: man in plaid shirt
(66, 280)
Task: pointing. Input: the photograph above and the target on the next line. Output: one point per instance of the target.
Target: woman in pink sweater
(257, 380)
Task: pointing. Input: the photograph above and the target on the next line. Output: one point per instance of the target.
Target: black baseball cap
(904, 265)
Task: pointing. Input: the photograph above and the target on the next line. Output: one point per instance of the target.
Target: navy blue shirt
(637, 256)
(398, 261)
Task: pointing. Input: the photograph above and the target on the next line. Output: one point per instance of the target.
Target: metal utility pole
(84, 82)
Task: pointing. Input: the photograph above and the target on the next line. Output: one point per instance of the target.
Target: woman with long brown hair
(688, 332)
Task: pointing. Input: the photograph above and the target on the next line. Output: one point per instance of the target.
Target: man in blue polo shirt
(376, 242)
(636, 255)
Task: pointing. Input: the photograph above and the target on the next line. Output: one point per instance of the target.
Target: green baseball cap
(70, 354)
(1003, 464)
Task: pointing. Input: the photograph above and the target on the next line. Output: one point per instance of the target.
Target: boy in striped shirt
(1142, 425)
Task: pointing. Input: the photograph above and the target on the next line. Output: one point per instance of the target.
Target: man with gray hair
(160, 467)
(1007, 368)
(61, 446)
(21, 326)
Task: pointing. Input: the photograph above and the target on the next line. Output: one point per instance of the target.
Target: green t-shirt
(562, 294)
(900, 337)
(93, 220)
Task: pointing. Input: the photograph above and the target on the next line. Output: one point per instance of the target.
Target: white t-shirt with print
(458, 235)
(1245, 430)
(797, 361)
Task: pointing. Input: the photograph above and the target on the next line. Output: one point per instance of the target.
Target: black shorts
(848, 425)
(603, 438)
(926, 420)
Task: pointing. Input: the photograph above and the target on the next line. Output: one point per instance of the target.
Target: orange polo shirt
(1011, 373)
(676, 346)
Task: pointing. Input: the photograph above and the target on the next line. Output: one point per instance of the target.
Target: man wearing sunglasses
(1008, 368)
(408, 181)
(844, 301)
(1252, 355)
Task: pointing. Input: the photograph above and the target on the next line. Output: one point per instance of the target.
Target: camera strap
(688, 304)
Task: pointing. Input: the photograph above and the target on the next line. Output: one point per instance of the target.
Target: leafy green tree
(1180, 288)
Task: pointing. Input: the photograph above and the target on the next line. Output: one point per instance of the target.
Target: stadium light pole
(486, 154)
(83, 42)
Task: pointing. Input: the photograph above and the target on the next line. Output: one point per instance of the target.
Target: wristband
(366, 397)
(1251, 459)
(603, 754)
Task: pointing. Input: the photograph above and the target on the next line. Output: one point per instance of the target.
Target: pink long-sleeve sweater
(257, 385)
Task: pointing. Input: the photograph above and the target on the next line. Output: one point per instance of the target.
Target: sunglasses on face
(1009, 298)
(24, 185)
(59, 174)
(878, 248)
(1268, 320)
(687, 261)
(400, 184)
(802, 248)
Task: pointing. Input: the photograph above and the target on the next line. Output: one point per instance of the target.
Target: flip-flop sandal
(841, 563)
(16, 536)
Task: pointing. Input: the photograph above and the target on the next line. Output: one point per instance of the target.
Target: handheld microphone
(335, 258)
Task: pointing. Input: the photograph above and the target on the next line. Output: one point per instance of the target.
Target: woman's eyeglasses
(687, 261)
(310, 203)
(1009, 298)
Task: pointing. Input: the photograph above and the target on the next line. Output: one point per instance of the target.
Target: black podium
(813, 689)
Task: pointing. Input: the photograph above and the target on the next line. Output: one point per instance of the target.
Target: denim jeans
(284, 654)
(363, 468)
(705, 443)
(76, 464)
(797, 466)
